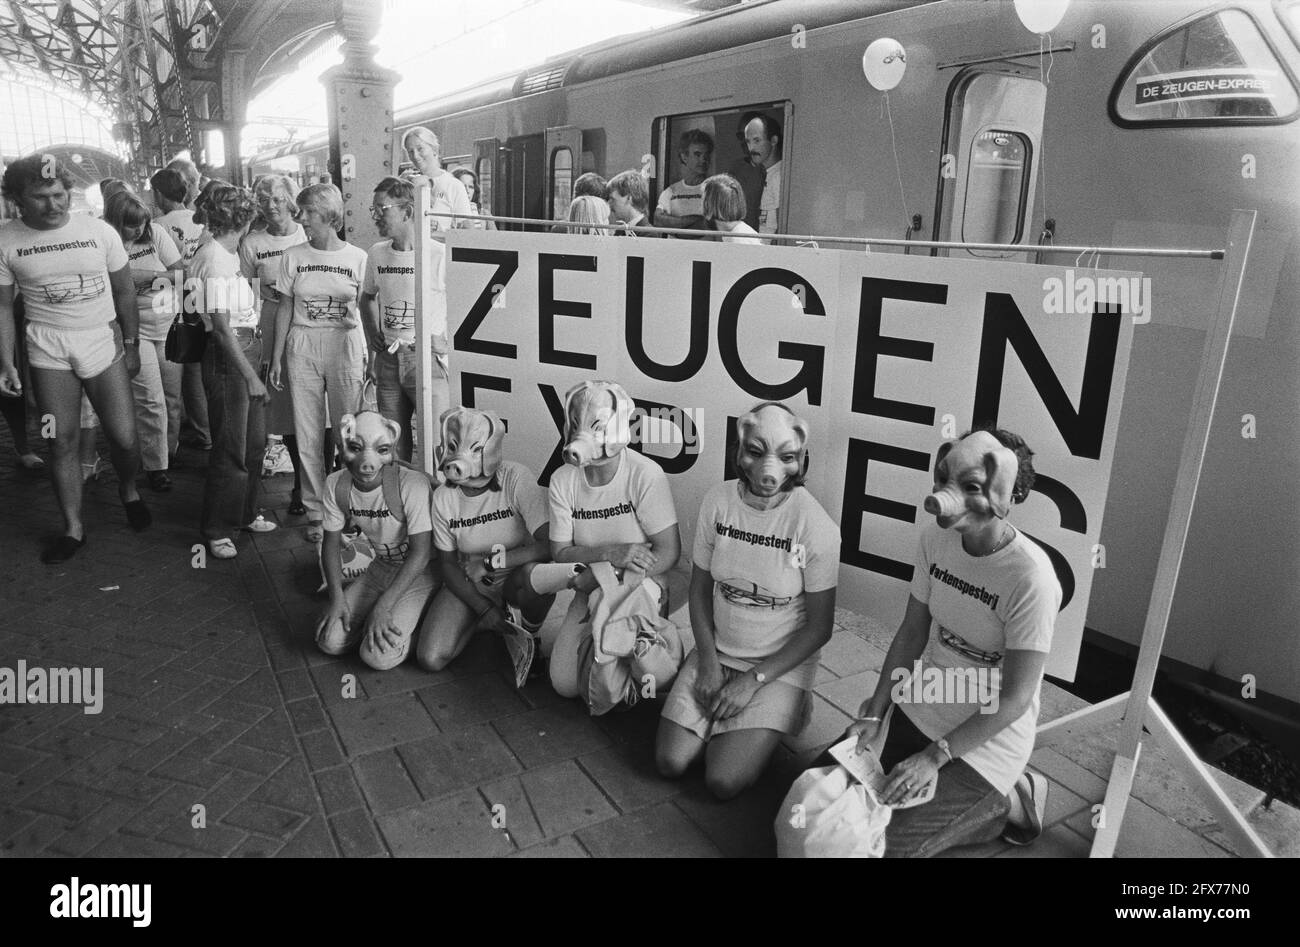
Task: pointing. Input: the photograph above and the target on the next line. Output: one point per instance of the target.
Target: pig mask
(597, 422)
(367, 439)
(470, 452)
(771, 449)
(975, 475)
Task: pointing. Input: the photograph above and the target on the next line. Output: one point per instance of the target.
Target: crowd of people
(313, 339)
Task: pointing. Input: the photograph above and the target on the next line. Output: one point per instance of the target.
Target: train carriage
(1138, 124)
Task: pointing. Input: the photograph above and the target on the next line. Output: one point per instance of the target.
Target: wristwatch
(942, 744)
(760, 676)
(130, 341)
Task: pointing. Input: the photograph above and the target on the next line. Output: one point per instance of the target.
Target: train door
(992, 147)
(563, 165)
(525, 178)
(487, 168)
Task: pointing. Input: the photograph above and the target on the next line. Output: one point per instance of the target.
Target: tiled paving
(216, 698)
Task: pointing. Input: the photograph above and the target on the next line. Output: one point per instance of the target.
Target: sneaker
(1032, 790)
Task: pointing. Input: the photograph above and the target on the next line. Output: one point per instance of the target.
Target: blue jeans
(238, 429)
(966, 808)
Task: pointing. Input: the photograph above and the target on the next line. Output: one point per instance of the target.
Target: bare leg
(735, 760)
(110, 393)
(58, 394)
(676, 748)
(447, 629)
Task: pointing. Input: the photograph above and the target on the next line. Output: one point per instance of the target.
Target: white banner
(885, 355)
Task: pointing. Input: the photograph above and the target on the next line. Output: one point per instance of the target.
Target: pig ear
(1000, 468)
(394, 430)
(347, 427)
(618, 433)
(940, 456)
(569, 398)
(444, 430)
(492, 449)
(801, 428)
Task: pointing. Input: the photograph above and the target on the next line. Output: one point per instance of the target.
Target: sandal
(91, 472)
(221, 549)
(314, 533)
(1032, 790)
(261, 525)
(296, 507)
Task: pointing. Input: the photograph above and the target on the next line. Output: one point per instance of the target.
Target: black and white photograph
(669, 429)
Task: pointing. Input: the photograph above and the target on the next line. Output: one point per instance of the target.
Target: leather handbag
(186, 339)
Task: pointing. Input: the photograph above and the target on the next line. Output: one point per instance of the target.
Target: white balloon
(1041, 16)
(883, 63)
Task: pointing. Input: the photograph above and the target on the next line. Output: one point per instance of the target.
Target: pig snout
(768, 477)
(944, 503)
(456, 469)
(581, 450)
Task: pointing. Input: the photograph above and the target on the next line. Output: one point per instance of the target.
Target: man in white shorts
(75, 279)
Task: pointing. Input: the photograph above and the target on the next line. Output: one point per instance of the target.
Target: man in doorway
(763, 142)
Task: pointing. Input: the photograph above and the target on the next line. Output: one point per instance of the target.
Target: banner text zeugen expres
(885, 355)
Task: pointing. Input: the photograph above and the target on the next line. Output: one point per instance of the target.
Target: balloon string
(898, 169)
(1044, 39)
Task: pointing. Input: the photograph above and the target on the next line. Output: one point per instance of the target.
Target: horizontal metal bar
(1189, 253)
(1000, 57)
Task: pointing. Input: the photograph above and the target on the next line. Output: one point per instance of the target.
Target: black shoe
(138, 515)
(159, 482)
(61, 550)
(295, 504)
(188, 440)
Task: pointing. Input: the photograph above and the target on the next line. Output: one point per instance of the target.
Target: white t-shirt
(214, 272)
(184, 231)
(63, 273)
(742, 233)
(390, 275)
(769, 204)
(635, 505)
(762, 563)
(324, 284)
(149, 261)
(1006, 601)
(368, 511)
(448, 196)
(682, 200)
(509, 516)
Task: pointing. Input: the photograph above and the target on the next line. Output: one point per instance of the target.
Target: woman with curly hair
(236, 393)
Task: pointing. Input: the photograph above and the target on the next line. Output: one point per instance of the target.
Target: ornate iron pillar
(359, 95)
(234, 109)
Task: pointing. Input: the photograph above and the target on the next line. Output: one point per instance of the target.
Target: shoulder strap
(392, 488)
(343, 494)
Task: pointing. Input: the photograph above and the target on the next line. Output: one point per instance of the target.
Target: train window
(998, 174)
(561, 182)
(724, 130)
(1216, 70)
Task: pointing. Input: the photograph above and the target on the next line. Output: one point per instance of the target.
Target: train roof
(714, 32)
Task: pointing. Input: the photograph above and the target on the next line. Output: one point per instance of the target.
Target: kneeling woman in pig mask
(608, 504)
(762, 600)
(983, 605)
(489, 524)
(390, 503)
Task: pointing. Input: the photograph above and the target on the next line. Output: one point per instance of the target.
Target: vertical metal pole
(1241, 229)
(424, 278)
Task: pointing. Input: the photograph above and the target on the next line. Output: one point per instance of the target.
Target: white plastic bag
(829, 814)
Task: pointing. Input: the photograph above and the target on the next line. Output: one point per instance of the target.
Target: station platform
(216, 696)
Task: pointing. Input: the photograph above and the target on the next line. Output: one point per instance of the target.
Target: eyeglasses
(377, 212)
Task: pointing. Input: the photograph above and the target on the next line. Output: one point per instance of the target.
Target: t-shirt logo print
(73, 290)
(399, 315)
(326, 307)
